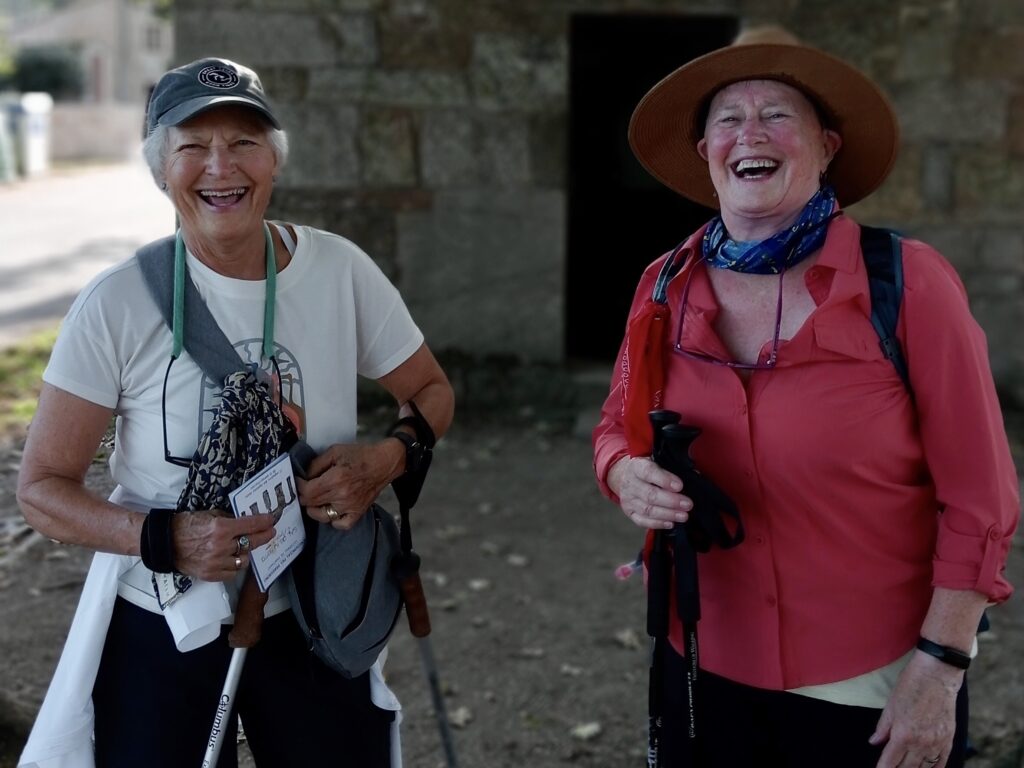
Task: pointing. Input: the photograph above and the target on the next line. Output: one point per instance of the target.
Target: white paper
(272, 491)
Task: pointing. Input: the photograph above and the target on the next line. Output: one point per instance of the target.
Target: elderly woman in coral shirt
(878, 516)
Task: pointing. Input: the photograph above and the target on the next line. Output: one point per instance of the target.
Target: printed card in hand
(272, 491)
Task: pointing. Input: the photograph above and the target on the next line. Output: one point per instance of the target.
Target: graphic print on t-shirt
(285, 382)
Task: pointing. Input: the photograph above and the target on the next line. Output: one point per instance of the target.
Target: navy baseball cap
(194, 88)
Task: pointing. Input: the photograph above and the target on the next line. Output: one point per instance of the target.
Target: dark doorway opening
(619, 218)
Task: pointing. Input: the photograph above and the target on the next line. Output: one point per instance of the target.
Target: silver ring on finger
(332, 513)
(243, 544)
(238, 563)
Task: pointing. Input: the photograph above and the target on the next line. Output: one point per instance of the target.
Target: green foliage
(53, 69)
(21, 375)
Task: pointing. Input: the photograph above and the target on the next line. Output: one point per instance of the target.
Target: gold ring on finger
(238, 563)
(332, 513)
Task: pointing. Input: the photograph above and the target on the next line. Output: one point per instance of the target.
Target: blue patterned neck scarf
(780, 251)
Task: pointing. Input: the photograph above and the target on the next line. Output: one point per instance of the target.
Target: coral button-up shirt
(857, 499)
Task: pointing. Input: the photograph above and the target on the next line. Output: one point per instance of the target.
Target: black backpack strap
(883, 258)
(203, 338)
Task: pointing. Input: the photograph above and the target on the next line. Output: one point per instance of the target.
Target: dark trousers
(155, 706)
(739, 726)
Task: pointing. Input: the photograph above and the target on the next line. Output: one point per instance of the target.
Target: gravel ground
(542, 651)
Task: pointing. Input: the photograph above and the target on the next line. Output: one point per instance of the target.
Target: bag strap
(203, 338)
(408, 485)
(883, 259)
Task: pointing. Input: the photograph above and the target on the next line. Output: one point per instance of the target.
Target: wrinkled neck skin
(243, 258)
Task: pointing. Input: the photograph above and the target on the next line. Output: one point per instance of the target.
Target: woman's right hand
(206, 542)
(649, 496)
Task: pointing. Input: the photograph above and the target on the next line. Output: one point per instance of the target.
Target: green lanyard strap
(180, 268)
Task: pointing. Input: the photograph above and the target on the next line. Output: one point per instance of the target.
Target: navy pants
(739, 726)
(155, 706)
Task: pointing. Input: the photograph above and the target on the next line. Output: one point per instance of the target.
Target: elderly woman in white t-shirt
(215, 146)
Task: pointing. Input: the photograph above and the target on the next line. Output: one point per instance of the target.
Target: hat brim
(663, 131)
(193, 107)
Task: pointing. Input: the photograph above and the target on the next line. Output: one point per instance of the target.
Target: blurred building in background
(122, 47)
(478, 149)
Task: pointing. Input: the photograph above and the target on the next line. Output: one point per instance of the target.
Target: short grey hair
(156, 147)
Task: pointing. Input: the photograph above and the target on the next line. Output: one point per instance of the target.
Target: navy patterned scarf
(778, 252)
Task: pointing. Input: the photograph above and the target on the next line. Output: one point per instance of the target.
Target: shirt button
(759, 539)
(771, 601)
(748, 473)
(994, 534)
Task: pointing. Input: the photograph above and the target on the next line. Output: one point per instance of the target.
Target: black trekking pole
(659, 574)
(674, 456)
(705, 527)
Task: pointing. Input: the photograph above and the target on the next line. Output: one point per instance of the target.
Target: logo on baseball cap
(194, 88)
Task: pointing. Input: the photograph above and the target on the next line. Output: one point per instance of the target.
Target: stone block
(937, 177)
(323, 150)
(483, 271)
(417, 88)
(344, 84)
(413, 35)
(275, 38)
(958, 244)
(294, 6)
(992, 53)
(990, 183)
(1002, 250)
(898, 200)
(519, 73)
(284, 84)
(467, 149)
(367, 219)
(952, 111)
(991, 14)
(387, 148)
(927, 44)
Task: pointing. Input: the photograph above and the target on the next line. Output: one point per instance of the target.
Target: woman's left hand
(347, 478)
(919, 719)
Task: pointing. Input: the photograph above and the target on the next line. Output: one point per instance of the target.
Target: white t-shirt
(337, 316)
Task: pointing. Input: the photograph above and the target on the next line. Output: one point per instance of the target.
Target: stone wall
(432, 132)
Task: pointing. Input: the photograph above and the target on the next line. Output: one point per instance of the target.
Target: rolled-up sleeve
(962, 429)
(609, 436)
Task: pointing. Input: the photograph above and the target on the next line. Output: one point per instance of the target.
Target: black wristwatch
(414, 449)
(951, 656)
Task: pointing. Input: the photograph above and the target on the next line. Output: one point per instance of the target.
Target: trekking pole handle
(415, 605)
(406, 569)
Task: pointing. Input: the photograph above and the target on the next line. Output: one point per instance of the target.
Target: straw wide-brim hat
(664, 130)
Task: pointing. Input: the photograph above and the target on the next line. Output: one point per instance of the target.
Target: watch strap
(950, 656)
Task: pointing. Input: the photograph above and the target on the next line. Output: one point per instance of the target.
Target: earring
(163, 186)
(273, 179)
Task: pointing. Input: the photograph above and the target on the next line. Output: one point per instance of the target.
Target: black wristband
(951, 656)
(156, 544)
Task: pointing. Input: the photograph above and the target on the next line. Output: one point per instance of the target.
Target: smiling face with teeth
(766, 150)
(219, 173)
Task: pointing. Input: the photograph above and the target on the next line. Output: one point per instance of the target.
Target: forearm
(63, 509)
(62, 442)
(436, 402)
(953, 616)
